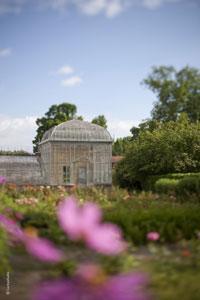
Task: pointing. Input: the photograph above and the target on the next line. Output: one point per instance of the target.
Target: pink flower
(2, 180)
(43, 249)
(84, 223)
(130, 286)
(153, 236)
(39, 247)
(12, 228)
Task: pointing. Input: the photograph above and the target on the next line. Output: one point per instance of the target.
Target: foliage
(147, 125)
(100, 120)
(173, 147)
(149, 183)
(4, 254)
(173, 222)
(136, 214)
(15, 152)
(175, 272)
(121, 145)
(176, 91)
(54, 116)
(188, 186)
(166, 185)
(172, 262)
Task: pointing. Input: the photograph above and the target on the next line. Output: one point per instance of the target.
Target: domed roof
(79, 131)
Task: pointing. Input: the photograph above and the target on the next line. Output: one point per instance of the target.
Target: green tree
(176, 91)
(172, 147)
(100, 120)
(54, 116)
(148, 124)
(120, 146)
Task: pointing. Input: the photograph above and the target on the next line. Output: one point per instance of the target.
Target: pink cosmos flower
(2, 180)
(130, 286)
(11, 227)
(153, 236)
(41, 248)
(84, 223)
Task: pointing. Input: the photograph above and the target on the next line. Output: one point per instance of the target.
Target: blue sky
(93, 53)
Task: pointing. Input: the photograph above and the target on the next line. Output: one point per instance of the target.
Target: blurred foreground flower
(41, 248)
(88, 284)
(2, 180)
(80, 223)
(84, 223)
(153, 236)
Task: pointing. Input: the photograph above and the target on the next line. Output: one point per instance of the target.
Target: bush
(172, 222)
(184, 186)
(188, 185)
(149, 183)
(166, 185)
(172, 147)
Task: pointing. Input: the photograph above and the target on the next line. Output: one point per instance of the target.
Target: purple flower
(11, 227)
(2, 180)
(43, 249)
(84, 223)
(153, 236)
(130, 286)
(39, 247)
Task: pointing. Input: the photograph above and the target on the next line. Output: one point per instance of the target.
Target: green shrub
(166, 185)
(172, 222)
(149, 183)
(172, 147)
(189, 186)
(184, 186)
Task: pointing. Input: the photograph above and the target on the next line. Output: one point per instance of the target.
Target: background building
(73, 152)
(76, 152)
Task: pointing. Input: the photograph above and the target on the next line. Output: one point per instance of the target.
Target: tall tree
(54, 116)
(176, 91)
(100, 120)
(120, 146)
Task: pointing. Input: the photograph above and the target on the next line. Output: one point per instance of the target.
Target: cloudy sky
(93, 53)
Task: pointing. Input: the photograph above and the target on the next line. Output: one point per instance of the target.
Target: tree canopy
(121, 145)
(54, 116)
(100, 120)
(171, 147)
(176, 91)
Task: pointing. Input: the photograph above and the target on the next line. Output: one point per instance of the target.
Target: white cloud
(110, 8)
(71, 81)
(121, 128)
(153, 4)
(65, 70)
(114, 8)
(17, 133)
(5, 52)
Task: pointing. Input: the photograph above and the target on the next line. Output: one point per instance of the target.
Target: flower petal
(106, 239)
(12, 228)
(69, 217)
(60, 289)
(130, 286)
(43, 249)
(153, 236)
